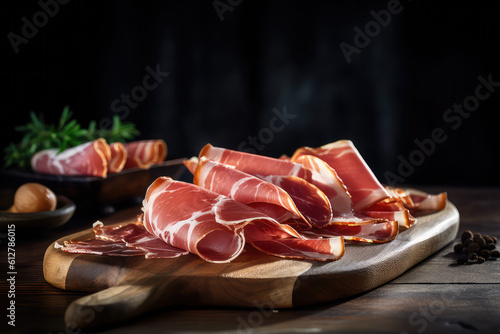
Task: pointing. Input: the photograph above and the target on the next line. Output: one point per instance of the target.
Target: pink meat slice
(205, 223)
(262, 166)
(336, 191)
(123, 240)
(145, 153)
(87, 159)
(135, 235)
(289, 192)
(352, 169)
(275, 242)
(379, 231)
(118, 158)
(418, 202)
(99, 247)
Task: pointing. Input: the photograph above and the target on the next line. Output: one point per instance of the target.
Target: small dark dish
(45, 219)
(90, 192)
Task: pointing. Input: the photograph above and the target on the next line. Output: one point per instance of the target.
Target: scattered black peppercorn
(466, 235)
(467, 242)
(488, 239)
(481, 242)
(485, 253)
(458, 248)
(472, 256)
(474, 247)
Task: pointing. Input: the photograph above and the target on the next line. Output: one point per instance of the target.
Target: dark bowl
(45, 219)
(90, 192)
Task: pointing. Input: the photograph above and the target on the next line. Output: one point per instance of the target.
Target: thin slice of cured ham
(191, 164)
(366, 231)
(352, 169)
(118, 158)
(270, 240)
(89, 159)
(145, 153)
(292, 193)
(214, 226)
(419, 202)
(323, 178)
(123, 240)
(99, 247)
(390, 209)
(336, 191)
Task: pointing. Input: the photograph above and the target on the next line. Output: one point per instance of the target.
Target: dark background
(227, 76)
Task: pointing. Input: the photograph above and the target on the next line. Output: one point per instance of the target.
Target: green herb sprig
(67, 133)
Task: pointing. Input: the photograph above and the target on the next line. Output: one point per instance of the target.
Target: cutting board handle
(111, 306)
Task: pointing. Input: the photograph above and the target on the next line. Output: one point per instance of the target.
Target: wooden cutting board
(126, 287)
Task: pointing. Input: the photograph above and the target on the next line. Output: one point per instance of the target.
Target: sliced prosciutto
(307, 167)
(378, 231)
(118, 158)
(418, 202)
(336, 191)
(289, 192)
(145, 153)
(352, 169)
(323, 178)
(89, 159)
(216, 227)
(123, 240)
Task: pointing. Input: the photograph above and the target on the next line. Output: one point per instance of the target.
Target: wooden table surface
(435, 296)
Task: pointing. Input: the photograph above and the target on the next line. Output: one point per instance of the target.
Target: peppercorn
(472, 256)
(462, 260)
(481, 242)
(467, 242)
(490, 247)
(488, 239)
(477, 236)
(480, 259)
(466, 235)
(495, 239)
(458, 248)
(495, 253)
(485, 253)
(474, 247)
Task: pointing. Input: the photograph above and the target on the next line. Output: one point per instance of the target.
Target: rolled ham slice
(88, 159)
(118, 158)
(145, 153)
